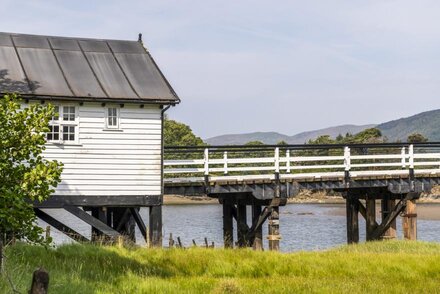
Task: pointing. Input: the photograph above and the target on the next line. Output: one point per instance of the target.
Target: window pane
(69, 113)
(56, 136)
(65, 136)
(49, 136)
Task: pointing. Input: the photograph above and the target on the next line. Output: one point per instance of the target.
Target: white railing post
(288, 160)
(403, 153)
(206, 161)
(277, 160)
(411, 156)
(347, 160)
(225, 164)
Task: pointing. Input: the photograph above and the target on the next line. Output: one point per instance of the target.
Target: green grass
(377, 267)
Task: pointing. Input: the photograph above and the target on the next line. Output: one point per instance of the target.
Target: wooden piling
(155, 225)
(352, 206)
(40, 282)
(274, 229)
(241, 219)
(228, 230)
(409, 221)
(370, 217)
(257, 242)
(387, 206)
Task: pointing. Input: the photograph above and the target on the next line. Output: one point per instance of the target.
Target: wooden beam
(257, 238)
(387, 207)
(228, 230)
(242, 225)
(274, 229)
(139, 221)
(409, 221)
(155, 225)
(379, 231)
(352, 207)
(370, 219)
(95, 223)
(57, 201)
(60, 226)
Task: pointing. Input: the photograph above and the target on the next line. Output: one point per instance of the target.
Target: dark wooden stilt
(352, 205)
(155, 225)
(370, 219)
(387, 207)
(274, 229)
(124, 223)
(257, 242)
(241, 220)
(98, 213)
(228, 230)
(409, 221)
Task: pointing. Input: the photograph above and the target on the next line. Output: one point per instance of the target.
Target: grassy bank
(392, 267)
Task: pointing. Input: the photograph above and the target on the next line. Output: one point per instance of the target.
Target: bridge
(265, 176)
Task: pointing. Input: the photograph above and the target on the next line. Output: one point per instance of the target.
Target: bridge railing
(262, 161)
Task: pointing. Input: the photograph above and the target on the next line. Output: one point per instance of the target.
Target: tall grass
(378, 267)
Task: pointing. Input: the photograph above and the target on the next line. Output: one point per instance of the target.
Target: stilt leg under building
(155, 226)
(352, 205)
(257, 242)
(274, 229)
(409, 221)
(228, 230)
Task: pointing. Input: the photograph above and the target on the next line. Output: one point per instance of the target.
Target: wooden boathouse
(110, 97)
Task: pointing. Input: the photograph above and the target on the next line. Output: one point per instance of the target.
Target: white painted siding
(109, 162)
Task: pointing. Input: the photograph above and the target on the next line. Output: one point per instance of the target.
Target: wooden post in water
(241, 219)
(370, 219)
(40, 282)
(409, 221)
(155, 224)
(257, 242)
(228, 233)
(388, 206)
(274, 229)
(352, 205)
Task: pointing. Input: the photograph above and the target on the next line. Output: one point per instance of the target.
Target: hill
(274, 137)
(426, 123)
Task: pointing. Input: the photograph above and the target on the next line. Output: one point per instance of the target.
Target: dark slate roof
(85, 69)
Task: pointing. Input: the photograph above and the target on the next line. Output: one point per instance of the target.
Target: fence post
(403, 153)
(347, 165)
(288, 161)
(411, 166)
(225, 164)
(206, 161)
(277, 160)
(40, 282)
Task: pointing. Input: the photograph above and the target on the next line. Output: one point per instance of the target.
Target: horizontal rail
(292, 160)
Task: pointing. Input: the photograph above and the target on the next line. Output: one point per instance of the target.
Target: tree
(416, 138)
(282, 142)
(25, 176)
(256, 142)
(179, 134)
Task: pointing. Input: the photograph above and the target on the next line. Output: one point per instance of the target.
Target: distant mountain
(273, 137)
(426, 123)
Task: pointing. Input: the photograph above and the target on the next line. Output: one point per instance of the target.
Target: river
(302, 226)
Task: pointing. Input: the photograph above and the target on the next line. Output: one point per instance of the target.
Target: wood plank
(94, 222)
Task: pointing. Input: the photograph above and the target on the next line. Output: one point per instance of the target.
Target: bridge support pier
(389, 212)
(250, 235)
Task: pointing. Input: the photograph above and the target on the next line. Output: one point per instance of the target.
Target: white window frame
(62, 123)
(118, 118)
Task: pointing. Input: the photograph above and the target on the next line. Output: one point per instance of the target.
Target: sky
(283, 66)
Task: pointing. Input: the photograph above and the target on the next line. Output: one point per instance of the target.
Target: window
(112, 119)
(63, 126)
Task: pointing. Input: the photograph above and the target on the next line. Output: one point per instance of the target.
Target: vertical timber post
(370, 219)
(241, 219)
(409, 221)
(155, 226)
(99, 213)
(257, 243)
(274, 217)
(352, 219)
(386, 207)
(274, 229)
(228, 229)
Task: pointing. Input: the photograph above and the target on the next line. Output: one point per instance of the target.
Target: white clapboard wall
(126, 161)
